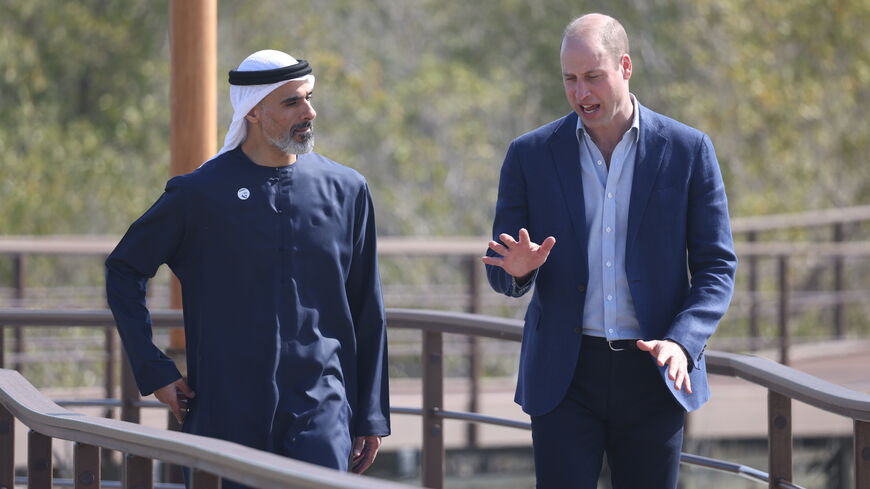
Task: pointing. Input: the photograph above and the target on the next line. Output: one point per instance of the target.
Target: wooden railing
(783, 384)
(210, 460)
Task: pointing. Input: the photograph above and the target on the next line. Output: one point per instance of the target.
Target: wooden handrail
(225, 459)
(779, 378)
(229, 460)
(455, 246)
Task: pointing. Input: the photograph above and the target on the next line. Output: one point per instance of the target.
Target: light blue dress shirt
(609, 309)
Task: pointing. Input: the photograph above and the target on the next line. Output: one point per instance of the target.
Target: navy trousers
(616, 405)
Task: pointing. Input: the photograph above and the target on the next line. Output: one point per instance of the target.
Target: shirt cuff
(522, 289)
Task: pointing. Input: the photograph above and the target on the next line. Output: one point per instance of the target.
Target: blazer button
(578, 330)
(581, 288)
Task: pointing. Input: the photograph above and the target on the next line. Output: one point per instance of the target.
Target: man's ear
(253, 115)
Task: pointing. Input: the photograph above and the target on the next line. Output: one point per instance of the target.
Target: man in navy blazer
(634, 269)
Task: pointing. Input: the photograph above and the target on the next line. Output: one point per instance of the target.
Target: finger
(358, 444)
(498, 248)
(493, 260)
(366, 461)
(547, 245)
(678, 384)
(688, 384)
(663, 358)
(176, 410)
(673, 368)
(508, 240)
(524, 237)
(185, 389)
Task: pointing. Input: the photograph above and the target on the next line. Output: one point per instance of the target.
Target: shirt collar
(635, 122)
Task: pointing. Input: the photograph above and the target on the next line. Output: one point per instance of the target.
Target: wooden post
(86, 466)
(171, 472)
(193, 94)
(111, 346)
(783, 310)
(474, 367)
(38, 461)
(137, 473)
(129, 393)
(433, 401)
(753, 296)
(205, 480)
(7, 449)
(19, 273)
(862, 454)
(839, 323)
(779, 438)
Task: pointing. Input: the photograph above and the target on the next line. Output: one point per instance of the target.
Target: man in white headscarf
(274, 246)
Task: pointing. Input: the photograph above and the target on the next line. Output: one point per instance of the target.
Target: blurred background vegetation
(424, 96)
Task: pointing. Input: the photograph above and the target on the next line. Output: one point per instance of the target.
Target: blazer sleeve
(511, 214)
(151, 241)
(711, 259)
(363, 289)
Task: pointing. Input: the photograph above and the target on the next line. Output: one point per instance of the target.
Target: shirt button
(609, 195)
(578, 330)
(608, 263)
(598, 162)
(610, 330)
(608, 229)
(609, 297)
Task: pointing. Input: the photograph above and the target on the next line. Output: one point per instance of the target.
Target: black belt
(600, 343)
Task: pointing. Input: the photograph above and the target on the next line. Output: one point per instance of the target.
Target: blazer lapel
(565, 152)
(650, 152)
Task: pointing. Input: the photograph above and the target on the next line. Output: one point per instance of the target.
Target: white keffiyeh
(245, 97)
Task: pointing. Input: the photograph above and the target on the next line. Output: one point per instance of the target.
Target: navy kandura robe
(285, 325)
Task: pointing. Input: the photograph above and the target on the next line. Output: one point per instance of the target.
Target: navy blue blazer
(679, 255)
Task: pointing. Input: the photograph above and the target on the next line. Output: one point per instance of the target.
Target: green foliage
(84, 111)
(423, 97)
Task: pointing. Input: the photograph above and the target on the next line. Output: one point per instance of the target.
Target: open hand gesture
(519, 258)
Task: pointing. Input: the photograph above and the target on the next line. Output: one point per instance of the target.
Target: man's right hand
(175, 395)
(519, 258)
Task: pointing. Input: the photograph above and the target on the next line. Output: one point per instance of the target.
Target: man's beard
(288, 143)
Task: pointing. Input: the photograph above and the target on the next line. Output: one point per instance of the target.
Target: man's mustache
(301, 126)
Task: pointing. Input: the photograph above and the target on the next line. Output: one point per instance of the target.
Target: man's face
(286, 118)
(596, 84)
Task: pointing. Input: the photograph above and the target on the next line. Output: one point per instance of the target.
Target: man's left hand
(669, 353)
(365, 449)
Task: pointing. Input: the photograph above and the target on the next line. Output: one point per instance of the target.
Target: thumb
(646, 345)
(358, 446)
(548, 244)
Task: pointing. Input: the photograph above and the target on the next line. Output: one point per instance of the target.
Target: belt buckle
(610, 344)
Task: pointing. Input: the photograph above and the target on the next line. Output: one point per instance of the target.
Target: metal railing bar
(88, 402)
(480, 418)
(730, 467)
(22, 481)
